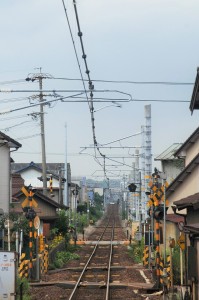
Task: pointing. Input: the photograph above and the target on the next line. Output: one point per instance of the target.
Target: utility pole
(32, 77)
(66, 198)
(43, 147)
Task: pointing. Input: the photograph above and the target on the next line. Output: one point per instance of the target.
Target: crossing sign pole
(30, 202)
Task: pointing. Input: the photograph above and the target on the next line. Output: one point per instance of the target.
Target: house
(47, 209)
(170, 164)
(183, 196)
(32, 174)
(7, 145)
(186, 183)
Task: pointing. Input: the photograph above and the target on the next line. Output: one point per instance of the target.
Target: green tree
(62, 223)
(98, 200)
(82, 208)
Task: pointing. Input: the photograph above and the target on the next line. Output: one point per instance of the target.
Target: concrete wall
(191, 152)
(185, 189)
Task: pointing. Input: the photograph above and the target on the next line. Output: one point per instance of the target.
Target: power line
(106, 81)
(28, 136)
(18, 124)
(13, 81)
(130, 81)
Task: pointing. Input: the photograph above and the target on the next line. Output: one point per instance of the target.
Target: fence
(24, 270)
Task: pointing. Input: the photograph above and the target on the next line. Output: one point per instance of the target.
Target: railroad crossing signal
(26, 201)
(157, 197)
(181, 241)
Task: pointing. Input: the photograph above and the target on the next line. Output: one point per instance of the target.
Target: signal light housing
(30, 213)
(158, 212)
(132, 187)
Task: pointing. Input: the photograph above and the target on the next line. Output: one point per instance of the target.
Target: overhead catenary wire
(74, 47)
(91, 88)
(94, 99)
(90, 104)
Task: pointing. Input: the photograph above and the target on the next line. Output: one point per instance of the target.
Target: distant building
(32, 174)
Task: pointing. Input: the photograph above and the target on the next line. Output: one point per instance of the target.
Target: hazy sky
(124, 40)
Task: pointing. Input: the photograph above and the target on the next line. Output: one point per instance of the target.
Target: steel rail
(109, 264)
(88, 261)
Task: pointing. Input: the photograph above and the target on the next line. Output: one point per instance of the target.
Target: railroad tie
(115, 278)
(101, 277)
(75, 276)
(90, 278)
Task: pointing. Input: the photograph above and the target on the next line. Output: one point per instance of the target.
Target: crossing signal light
(30, 213)
(158, 213)
(132, 187)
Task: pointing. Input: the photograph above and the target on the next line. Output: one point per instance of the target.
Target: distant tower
(147, 147)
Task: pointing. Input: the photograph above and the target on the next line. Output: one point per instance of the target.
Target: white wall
(4, 178)
(30, 177)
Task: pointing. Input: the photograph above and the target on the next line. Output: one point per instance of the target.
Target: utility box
(8, 268)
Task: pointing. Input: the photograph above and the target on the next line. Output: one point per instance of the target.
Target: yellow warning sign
(26, 201)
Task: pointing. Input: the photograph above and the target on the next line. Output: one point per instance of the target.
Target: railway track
(104, 271)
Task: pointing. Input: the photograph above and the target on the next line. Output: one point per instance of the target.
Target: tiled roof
(168, 154)
(194, 228)
(13, 143)
(190, 201)
(17, 183)
(174, 218)
(190, 141)
(194, 104)
(52, 168)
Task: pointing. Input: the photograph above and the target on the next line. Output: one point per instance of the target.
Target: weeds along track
(104, 270)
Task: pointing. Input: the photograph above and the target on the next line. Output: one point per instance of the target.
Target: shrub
(176, 265)
(136, 251)
(62, 258)
(25, 288)
(56, 241)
